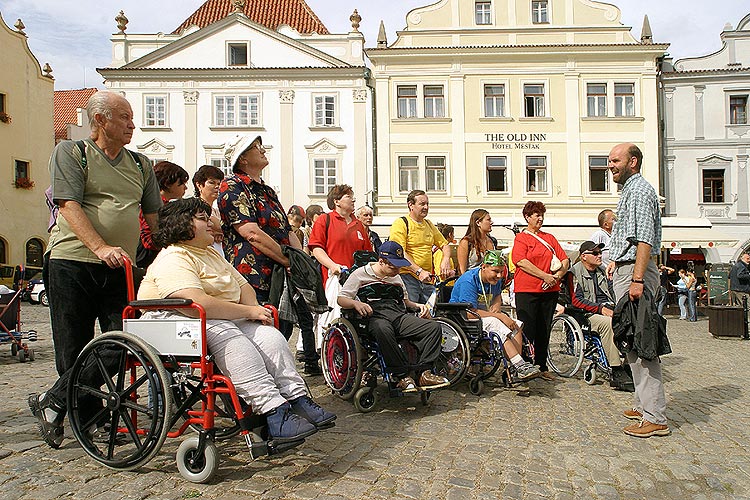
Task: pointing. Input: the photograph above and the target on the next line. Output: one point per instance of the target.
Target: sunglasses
(593, 252)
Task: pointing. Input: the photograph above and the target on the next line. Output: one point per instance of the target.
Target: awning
(695, 237)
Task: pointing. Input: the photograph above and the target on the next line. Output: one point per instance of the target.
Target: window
(483, 12)
(713, 186)
(408, 173)
(539, 12)
(624, 99)
(738, 110)
(325, 110)
(156, 111)
(407, 101)
(494, 100)
(598, 174)
(497, 174)
(237, 54)
(434, 101)
(2, 103)
(237, 111)
(223, 165)
(536, 174)
(324, 175)
(435, 173)
(34, 252)
(596, 99)
(3, 252)
(533, 95)
(22, 170)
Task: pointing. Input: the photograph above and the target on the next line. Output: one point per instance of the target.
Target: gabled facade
(493, 103)
(26, 141)
(706, 106)
(71, 121)
(307, 94)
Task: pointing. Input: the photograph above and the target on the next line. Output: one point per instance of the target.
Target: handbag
(556, 264)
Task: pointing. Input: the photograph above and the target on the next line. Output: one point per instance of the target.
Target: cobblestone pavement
(563, 441)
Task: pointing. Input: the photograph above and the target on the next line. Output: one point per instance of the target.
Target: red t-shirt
(525, 246)
(340, 241)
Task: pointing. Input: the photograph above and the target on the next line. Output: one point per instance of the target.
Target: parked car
(37, 293)
(29, 286)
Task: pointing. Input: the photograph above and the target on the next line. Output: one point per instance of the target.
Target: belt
(624, 262)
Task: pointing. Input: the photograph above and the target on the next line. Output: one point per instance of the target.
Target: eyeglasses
(593, 252)
(202, 216)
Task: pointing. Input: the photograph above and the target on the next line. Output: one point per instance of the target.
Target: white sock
(517, 360)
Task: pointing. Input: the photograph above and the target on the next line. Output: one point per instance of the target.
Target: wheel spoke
(131, 428)
(103, 370)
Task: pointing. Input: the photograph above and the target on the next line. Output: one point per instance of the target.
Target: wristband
(419, 271)
(640, 282)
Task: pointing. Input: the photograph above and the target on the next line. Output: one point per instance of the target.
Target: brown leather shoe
(407, 384)
(429, 380)
(632, 414)
(645, 429)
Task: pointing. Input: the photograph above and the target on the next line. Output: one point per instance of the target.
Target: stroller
(10, 326)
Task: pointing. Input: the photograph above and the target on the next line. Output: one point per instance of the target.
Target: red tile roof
(270, 13)
(66, 103)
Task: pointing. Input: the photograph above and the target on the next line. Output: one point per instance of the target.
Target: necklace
(485, 294)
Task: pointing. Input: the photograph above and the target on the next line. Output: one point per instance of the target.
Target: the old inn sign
(515, 140)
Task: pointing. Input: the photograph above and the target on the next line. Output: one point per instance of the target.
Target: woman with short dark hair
(206, 182)
(244, 345)
(541, 264)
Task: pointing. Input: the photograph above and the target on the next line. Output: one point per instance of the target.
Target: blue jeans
(692, 301)
(682, 302)
(418, 291)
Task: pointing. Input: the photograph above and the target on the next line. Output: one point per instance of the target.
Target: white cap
(237, 145)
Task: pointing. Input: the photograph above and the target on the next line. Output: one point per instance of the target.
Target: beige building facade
(493, 103)
(26, 141)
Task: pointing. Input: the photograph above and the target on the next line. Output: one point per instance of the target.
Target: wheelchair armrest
(452, 306)
(160, 303)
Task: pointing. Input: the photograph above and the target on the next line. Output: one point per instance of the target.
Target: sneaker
(406, 384)
(285, 426)
(313, 369)
(632, 414)
(51, 430)
(99, 434)
(312, 412)
(644, 429)
(429, 380)
(526, 371)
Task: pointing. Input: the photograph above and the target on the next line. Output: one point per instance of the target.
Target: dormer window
(238, 53)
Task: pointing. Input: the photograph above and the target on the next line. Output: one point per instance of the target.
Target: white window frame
(412, 181)
(411, 111)
(320, 113)
(420, 100)
(598, 100)
(483, 12)
(620, 109)
(503, 99)
(236, 107)
(547, 174)
(610, 184)
(324, 163)
(236, 43)
(507, 171)
(16, 162)
(432, 174)
(155, 123)
(547, 11)
(545, 97)
(434, 102)
(738, 94)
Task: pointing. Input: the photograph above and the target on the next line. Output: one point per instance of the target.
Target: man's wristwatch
(640, 282)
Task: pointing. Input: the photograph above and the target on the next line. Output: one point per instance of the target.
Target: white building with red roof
(266, 67)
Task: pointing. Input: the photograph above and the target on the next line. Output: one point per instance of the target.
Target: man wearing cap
(378, 292)
(595, 296)
(482, 288)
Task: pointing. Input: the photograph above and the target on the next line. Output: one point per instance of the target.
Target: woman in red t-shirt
(537, 280)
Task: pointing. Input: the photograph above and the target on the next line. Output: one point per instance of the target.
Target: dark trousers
(80, 294)
(305, 321)
(390, 325)
(536, 310)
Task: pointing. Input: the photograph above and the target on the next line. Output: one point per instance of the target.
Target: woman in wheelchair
(482, 287)
(241, 338)
(377, 291)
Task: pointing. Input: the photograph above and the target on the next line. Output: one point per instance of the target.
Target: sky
(74, 35)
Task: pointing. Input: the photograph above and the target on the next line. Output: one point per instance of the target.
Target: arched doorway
(34, 252)
(3, 251)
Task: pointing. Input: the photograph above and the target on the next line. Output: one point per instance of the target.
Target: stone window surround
(420, 98)
(422, 170)
(155, 125)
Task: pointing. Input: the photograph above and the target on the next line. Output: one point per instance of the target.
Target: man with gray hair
(99, 187)
(364, 214)
(606, 220)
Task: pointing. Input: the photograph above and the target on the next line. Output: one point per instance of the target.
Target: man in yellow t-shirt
(417, 235)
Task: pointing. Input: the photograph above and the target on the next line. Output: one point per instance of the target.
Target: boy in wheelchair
(244, 344)
(482, 287)
(377, 291)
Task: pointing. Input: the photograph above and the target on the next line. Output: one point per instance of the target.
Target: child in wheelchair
(481, 287)
(239, 332)
(377, 291)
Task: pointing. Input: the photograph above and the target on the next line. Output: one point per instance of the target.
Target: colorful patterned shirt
(241, 199)
(638, 220)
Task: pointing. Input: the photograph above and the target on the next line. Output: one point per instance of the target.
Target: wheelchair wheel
(454, 356)
(589, 374)
(476, 386)
(197, 467)
(365, 399)
(566, 344)
(133, 400)
(342, 358)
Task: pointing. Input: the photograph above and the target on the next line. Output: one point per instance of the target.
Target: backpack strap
(406, 223)
(82, 146)
(136, 158)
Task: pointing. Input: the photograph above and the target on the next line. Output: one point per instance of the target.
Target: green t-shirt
(110, 192)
